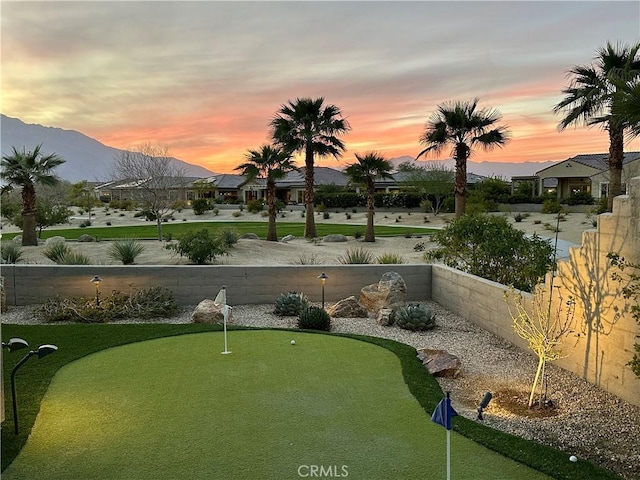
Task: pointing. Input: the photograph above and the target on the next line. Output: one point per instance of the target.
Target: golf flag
(221, 299)
(443, 413)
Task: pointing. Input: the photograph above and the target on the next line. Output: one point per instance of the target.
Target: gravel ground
(590, 423)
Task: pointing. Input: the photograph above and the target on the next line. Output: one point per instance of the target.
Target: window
(604, 190)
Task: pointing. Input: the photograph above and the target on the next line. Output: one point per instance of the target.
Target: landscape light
(484, 403)
(96, 281)
(323, 280)
(15, 344)
(43, 351)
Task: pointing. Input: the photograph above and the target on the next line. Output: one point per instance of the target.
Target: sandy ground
(301, 250)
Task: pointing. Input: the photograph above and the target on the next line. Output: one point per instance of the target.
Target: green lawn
(174, 407)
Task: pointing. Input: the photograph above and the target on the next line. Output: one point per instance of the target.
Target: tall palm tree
(365, 172)
(272, 163)
(26, 169)
(308, 125)
(463, 125)
(590, 98)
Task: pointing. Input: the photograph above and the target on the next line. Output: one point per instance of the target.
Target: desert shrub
(11, 252)
(57, 251)
(321, 207)
(200, 206)
(228, 236)
(178, 205)
(126, 250)
(580, 198)
(551, 206)
(356, 256)
(74, 258)
(306, 260)
(199, 246)
(414, 317)
(419, 247)
(149, 303)
(326, 215)
(85, 223)
(357, 234)
(390, 258)
(518, 217)
(255, 206)
(314, 318)
(236, 214)
(489, 247)
(290, 304)
(216, 211)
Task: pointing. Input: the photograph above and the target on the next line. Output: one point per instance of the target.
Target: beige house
(585, 173)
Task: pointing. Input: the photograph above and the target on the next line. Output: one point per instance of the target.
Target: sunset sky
(205, 78)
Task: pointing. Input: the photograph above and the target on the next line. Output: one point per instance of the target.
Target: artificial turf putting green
(175, 408)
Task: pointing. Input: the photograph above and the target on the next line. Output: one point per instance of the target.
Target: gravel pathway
(590, 423)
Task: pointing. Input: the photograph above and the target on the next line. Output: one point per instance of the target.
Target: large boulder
(385, 317)
(389, 292)
(347, 308)
(86, 238)
(287, 238)
(250, 236)
(208, 311)
(56, 239)
(440, 363)
(335, 237)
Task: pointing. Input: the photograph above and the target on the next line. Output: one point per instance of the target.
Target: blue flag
(443, 413)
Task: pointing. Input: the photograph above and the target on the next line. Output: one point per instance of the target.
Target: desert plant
(85, 223)
(357, 234)
(126, 250)
(356, 256)
(74, 258)
(414, 317)
(237, 214)
(518, 217)
(326, 215)
(228, 236)
(56, 251)
(551, 206)
(200, 206)
(255, 206)
(419, 247)
(306, 260)
(390, 258)
(11, 252)
(314, 318)
(199, 246)
(290, 304)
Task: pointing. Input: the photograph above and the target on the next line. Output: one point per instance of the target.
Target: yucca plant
(74, 258)
(356, 256)
(11, 252)
(314, 318)
(126, 250)
(56, 251)
(390, 258)
(228, 236)
(290, 304)
(306, 260)
(414, 317)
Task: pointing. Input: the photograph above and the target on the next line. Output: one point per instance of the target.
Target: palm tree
(364, 172)
(590, 100)
(309, 126)
(464, 126)
(26, 169)
(272, 163)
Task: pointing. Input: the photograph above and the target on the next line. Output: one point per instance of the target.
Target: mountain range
(88, 159)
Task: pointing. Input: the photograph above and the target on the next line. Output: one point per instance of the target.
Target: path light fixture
(43, 351)
(15, 344)
(484, 403)
(96, 281)
(323, 280)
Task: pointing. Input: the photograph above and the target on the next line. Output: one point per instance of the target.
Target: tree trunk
(29, 235)
(616, 158)
(369, 235)
(461, 179)
(159, 226)
(310, 221)
(271, 206)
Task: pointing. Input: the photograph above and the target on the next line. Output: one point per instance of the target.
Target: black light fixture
(96, 281)
(484, 403)
(323, 280)
(43, 351)
(15, 344)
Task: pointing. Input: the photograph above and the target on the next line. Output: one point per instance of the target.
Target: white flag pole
(226, 315)
(221, 299)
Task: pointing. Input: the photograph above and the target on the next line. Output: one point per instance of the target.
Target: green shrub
(11, 252)
(390, 258)
(551, 206)
(326, 215)
(414, 317)
(419, 247)
(306, 260)
(321, 208)
(237, 214)
(74, 258)
(228, 236)
(580, 198)
(518, 217)
(290, 304)
(356, 256)
(357, 234)
(126, 250)
(314, 318)
(255, 206)
(57, 251)
(199, 246)
(178, 205)
(200, 206)
(85, 223)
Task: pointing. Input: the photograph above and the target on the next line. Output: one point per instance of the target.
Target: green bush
(57, 251)
(200, 206)
(255, 206)
(414, 317)
(74, 258)
(237, 214)
(290, 304)
(314, 318)
(580, 198)
(357, 234)
(356, 256)
(11, 252)
(228, 236)
(551, 206)
(126, 250)
(199, 246)
(390, 258)
(85, 223)
(518, 217)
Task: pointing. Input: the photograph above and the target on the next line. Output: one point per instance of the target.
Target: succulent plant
(415, 317)
(290, 304)
(314, 318)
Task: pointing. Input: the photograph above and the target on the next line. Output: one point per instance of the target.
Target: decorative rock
(208, 311)
(389, 292)
(287, 238)
(336, 237)
(440, 363)
(385, 317)
(17, 239)
(86, 238)
(347, 308)
(250, 236)
(52, 240)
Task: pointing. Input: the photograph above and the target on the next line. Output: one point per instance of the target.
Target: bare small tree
(158, 179)
(434, 181)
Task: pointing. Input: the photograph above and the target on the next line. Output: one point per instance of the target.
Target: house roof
(321, 176)
(599, 161)
(225, 180)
